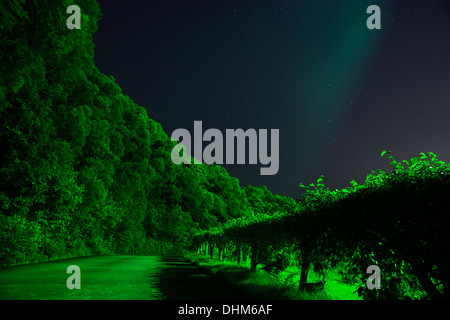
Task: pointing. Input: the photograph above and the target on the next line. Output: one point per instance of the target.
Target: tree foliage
(84, 169)
(398, 221)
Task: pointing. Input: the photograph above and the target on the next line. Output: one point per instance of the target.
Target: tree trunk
(220, 252)
(211, 248)
(239, 254)
(306, 263)
(254, 258)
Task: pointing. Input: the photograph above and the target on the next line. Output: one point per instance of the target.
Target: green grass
(283, 287)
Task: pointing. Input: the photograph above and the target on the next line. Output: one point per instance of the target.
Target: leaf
(383, 153)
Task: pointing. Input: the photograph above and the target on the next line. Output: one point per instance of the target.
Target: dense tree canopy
(84, 169)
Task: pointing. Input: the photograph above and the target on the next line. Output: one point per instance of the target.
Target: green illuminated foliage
(395, 220)
(84, 169)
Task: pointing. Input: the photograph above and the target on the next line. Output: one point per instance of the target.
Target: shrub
(19, 240)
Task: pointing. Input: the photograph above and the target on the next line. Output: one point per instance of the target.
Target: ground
(141, 278)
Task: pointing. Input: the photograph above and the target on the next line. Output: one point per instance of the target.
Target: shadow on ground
(182, 280)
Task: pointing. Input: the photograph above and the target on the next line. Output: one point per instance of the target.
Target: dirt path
(181, 280)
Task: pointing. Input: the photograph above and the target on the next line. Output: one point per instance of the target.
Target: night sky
(338, 92)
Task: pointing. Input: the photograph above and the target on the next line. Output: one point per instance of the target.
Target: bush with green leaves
(274, 260)
(20, 240)
(397, 220)
(82, 163)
